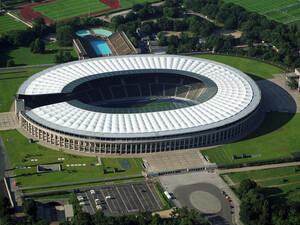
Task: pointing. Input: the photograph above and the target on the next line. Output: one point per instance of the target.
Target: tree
(4, 202)
(37, 46)
(116, 21)
(29, 207)
(10, 63)
(62, 57)
(65, 35)
(245, 186)
(292, 84)
(82, 218)
(171, 49)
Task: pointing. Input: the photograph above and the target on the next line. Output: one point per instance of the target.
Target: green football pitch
(7, 23)
(280, 10)
(60, 10)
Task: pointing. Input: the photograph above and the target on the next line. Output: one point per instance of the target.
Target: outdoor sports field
(280, 10)
(7, 23)
(57, 10)
(60, 10)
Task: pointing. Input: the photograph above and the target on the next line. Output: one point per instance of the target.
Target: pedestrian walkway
(8, 121)
(259, 167)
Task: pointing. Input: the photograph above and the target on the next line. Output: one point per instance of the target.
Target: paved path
(27, 67)
(259, 167)
(8, 121)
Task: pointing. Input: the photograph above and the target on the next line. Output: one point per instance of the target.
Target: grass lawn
(263, 174)
(20, 153)
(81, 185)
(10, 81)
(287, 179)
(22, 55)
(256, 70)
(60, 10)
(7, 23)
(275, 138)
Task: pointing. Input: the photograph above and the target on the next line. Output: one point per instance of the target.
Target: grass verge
(167, 202)
(81, 185)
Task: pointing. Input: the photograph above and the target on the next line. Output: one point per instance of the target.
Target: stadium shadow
(254, 77)
(279, 105)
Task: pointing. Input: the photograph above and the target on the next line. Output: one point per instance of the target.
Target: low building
(154, 48)
(69, 213)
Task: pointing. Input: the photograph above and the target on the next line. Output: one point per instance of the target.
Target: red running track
(28, 13)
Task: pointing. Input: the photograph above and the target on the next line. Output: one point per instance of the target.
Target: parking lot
(120, 198)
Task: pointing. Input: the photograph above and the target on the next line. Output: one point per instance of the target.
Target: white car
(93, 192)
(98, 207)
(81, 203)
(80, 198)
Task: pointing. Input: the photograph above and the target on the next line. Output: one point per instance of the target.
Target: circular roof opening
(141, 92)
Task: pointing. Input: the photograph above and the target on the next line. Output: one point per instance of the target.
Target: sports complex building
(138, 104)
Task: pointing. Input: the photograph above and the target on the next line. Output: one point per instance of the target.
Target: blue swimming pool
(100, 47)
(83, 33)
(103, 32)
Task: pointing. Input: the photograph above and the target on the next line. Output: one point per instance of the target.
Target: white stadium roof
(236, 97)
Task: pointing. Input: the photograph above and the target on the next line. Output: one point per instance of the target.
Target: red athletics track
(28, 13)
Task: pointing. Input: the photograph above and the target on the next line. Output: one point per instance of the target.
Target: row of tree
(181, 216)
(256, 209)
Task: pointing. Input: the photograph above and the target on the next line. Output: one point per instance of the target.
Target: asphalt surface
(222, 215)
(3, 159)
(124, 198)
(203, 191)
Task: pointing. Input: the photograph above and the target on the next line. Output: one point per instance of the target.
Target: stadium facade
(138, 104)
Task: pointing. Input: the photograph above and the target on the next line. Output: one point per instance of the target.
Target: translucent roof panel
(237, 96)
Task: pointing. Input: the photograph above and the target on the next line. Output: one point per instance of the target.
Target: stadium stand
(119, 44)
(141, 86)
(83, 48)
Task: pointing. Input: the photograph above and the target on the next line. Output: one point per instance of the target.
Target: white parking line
(138, 197)
(153, 195)
(106, 201)
(90, 202)
(122, 198)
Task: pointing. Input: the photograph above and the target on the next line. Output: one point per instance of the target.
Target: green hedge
(168, 204)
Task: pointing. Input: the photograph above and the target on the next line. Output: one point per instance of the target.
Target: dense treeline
(169, 16)
(256, 209)
(181, 216)
(272, 40)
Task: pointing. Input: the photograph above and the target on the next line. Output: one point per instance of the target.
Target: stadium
(138, 104)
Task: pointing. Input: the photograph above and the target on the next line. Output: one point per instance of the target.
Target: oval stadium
(138, 104)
